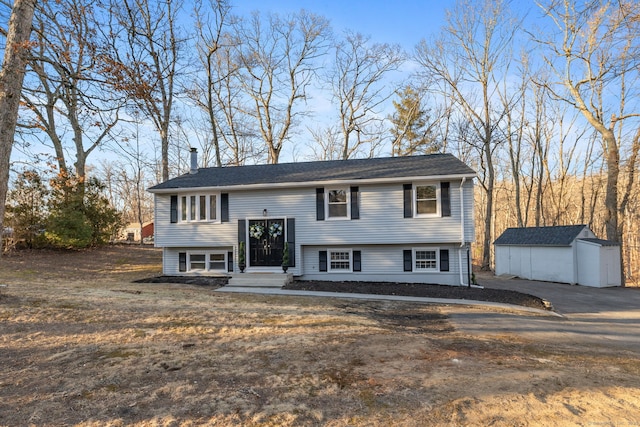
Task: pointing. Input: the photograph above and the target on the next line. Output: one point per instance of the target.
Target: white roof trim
(263, 186)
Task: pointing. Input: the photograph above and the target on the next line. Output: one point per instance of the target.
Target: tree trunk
(11, 78)
(164, 150)
(486, 243)
(611, 196)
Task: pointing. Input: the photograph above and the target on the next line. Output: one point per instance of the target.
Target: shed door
(514, 261)
(612, 267)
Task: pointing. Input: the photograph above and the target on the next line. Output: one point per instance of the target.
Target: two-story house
(400, 219)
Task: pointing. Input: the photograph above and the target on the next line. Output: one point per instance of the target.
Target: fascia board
(268, 186)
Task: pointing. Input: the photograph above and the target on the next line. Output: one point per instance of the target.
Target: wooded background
(544, 107)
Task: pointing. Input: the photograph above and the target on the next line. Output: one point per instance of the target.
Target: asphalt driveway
(595, 316)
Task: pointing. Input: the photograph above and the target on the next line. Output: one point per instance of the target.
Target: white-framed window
(197, 262)
(337, 203)
(426, 259)
(213, 261)
(340, 260)
(199, 208)
(426, 199)
(218, 261)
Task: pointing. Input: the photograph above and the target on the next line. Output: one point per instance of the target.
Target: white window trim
(197, 219)
(414, 259)
(415, 200)
(207, 259)
(347, 191)
(330, 270)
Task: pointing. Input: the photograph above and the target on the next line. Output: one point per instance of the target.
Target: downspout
(462, 245)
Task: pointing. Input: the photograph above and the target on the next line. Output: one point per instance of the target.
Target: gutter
(302, 184)
(462, 242)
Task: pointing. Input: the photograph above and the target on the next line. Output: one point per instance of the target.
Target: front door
(266, 242)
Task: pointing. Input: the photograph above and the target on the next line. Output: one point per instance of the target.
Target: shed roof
(432, 165)
(562, 235)
(601, 242)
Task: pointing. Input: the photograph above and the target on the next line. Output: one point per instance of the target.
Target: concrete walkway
(593, 316)
(371, 297)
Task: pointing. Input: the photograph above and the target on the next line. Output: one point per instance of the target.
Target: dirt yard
(80, 344)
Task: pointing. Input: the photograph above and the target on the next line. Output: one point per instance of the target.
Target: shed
(566, 254)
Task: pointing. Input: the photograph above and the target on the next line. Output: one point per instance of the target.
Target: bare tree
(466, 63)
(360, 68)
(326, 144)
(278, 59)
(65, 93)
(11, 77)
(514, 105)
(131, 178)
(593, 53)
(146, 47)
(211, 19)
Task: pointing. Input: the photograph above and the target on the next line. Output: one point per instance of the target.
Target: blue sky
(405, 22)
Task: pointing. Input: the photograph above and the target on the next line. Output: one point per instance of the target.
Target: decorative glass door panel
(266, 242)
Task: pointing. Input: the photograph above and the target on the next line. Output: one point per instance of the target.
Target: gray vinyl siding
(381, 223)
(170, 259)
(190, 234)
(381, 219)
(385, 263)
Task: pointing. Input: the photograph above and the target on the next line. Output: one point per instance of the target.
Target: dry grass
(81, 345)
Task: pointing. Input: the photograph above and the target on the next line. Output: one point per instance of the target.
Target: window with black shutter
(444, 259)
(357, 261)
(291, 241)
(322, 261)
(407, 191)
(407, 257)
(224, 207)
(320, 204)
(229, 262)
(355, 207)
(445, 199)
(182, 261)
(174, 209)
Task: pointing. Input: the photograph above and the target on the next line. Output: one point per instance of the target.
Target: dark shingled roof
(334, 170)
(561, 235)
(601, 242)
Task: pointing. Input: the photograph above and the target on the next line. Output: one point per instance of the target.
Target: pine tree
(411, 133)
(27, 209)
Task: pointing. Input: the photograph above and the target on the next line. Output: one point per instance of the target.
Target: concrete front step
(260, 280)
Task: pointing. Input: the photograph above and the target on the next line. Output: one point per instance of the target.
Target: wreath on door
(256, 231)
(275, 230)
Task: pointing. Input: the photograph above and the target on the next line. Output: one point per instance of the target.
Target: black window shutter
(407, 190)
(445, 199)
(242, 232)
(291, 241)
(229, 262)
(320, 204)
(357, 261)
(182, 261)
(408, 260)
(355, 208)
(224, 207)
(174, 209)
(322, 262)
(444, 259)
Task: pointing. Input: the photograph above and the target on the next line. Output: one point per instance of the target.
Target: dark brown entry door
(266, 242)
